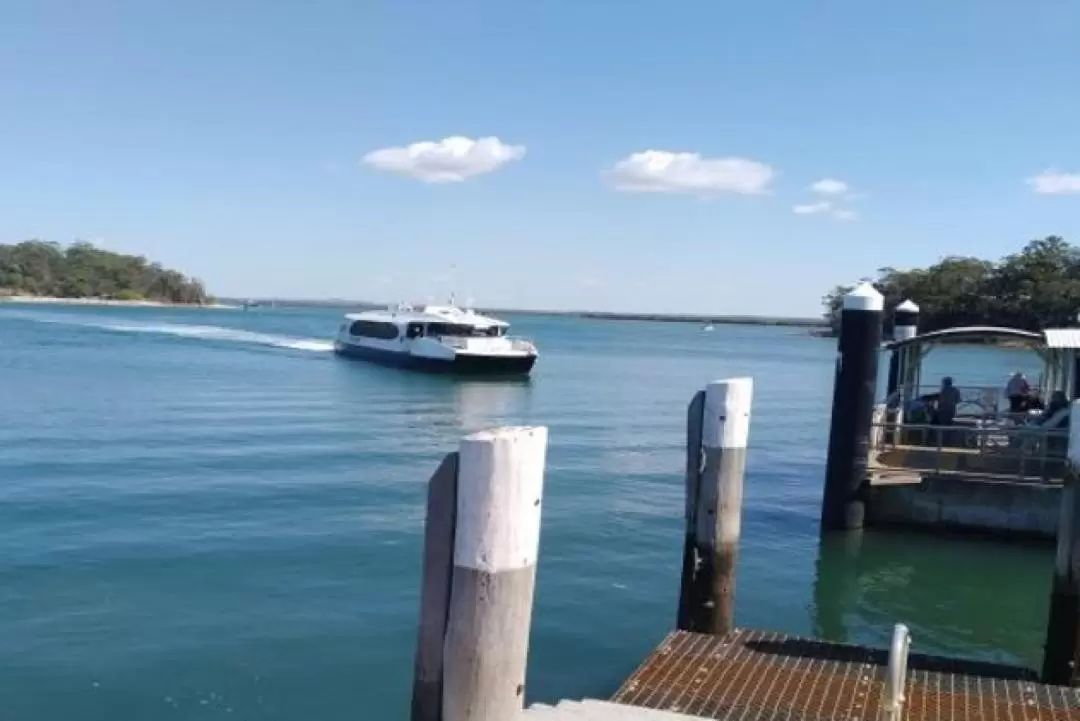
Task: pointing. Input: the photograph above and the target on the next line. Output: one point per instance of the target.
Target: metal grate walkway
(765, 676)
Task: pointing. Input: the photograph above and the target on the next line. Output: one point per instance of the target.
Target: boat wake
(221, 333)
(182, 330)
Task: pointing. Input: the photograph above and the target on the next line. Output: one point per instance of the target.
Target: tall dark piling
(1076, 377)
(905, 326)
(844, 500)
(905, 321)
(1061, 660)
(717, 432)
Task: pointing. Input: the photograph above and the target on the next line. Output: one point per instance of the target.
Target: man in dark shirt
(948, 400)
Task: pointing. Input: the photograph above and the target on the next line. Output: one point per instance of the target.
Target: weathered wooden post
(435, 590)
(481, 544)
(1061, 660)
(847, 467)
(500, 486)
(718, 427)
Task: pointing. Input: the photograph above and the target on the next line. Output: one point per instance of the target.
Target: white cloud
(825, 207)
(813, 208)
(1052, 182)
(660, 171)
(829, 186)
(450, 160)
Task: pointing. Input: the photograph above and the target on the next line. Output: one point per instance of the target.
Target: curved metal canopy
(974, 332)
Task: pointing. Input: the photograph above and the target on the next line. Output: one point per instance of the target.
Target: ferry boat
(436, 338)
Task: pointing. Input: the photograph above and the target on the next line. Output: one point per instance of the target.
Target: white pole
(497, 537)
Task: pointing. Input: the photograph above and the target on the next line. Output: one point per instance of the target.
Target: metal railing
(1024, 453)
(974, 400)
(892, 698)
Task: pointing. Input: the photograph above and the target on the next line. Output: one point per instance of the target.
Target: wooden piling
(694, 464)
(499, 491)
(438, 565)
(714, 505)
(1061, 660)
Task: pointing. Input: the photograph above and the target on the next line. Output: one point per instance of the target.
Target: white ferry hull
(460, 363)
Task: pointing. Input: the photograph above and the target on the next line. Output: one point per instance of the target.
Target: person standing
(948, 400)
(1018, 391)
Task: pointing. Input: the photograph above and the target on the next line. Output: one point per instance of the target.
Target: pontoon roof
(1049, 338)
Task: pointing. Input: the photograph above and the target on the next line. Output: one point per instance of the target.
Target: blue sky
(229, 139)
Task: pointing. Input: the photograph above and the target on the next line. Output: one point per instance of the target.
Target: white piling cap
(726, 417)
(908, 307)
(500, 484)
(864, 297)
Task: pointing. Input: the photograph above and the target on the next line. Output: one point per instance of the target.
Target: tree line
(80, 270)
(1036, 288)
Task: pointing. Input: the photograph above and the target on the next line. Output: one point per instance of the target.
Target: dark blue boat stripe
(465, 364)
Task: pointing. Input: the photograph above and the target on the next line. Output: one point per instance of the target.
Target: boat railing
(992, 449)
(518, 343)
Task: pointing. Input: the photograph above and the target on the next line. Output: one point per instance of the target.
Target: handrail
(976, 430)
(1032, 453)
(892, 700)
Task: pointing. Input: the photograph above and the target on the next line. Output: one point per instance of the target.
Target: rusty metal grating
(766, 676)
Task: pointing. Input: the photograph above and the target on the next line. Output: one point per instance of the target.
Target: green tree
(34, 267)
(1036, 288)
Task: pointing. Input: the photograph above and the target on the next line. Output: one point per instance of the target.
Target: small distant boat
(709, 327)
(445, 339)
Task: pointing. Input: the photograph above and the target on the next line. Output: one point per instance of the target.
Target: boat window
(373, 329)
(415, 330)
(452, 329)
(461, 329)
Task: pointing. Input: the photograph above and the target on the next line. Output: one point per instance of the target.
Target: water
(207, 515)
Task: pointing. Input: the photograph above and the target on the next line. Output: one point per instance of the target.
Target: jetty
(481, 548)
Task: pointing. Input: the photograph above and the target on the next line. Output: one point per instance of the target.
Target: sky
(692, 156)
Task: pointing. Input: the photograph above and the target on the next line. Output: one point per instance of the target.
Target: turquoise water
(207, 515)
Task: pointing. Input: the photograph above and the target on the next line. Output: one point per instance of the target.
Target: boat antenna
(453, 285)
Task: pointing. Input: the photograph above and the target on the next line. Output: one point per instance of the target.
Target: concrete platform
(1004, 509)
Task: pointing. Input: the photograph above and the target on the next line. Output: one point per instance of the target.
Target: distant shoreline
(53, 300)
(591, 315)
(713, 319)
